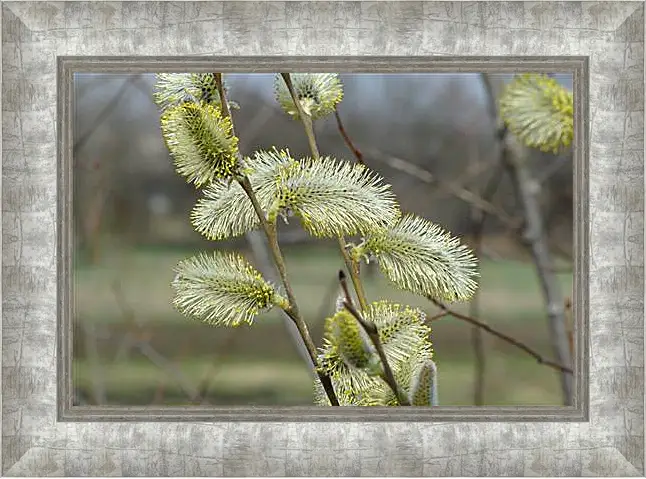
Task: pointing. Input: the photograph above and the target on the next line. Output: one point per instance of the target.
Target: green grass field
(258, 364)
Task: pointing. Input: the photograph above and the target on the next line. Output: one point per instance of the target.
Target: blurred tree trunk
(514, 159)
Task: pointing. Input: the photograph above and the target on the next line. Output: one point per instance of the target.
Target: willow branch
(259, 244)
(373, 333)
(453, 189)
(351, 265)
(514, 342)
(279, 260)
(355, 151)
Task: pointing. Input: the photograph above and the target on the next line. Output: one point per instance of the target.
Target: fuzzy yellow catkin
(201, 142)
(354, 347)
(318, 93)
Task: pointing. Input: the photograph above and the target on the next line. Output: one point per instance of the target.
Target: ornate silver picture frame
(600, 43)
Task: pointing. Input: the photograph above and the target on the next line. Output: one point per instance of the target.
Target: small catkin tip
(317, 93)
(423, 390)
(350, 342)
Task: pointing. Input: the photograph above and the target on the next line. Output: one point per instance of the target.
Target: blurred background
(431, 136)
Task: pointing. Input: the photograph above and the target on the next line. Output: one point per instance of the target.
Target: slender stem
(358, 286)
(373, 333)
(274, 248)
(292, 311)
(353, 269)
(351, 265)
(304, 117)
(355, 151)
(514, 342)
(223, 98)
(296, 336)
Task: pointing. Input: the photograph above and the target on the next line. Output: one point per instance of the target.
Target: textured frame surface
(611, 442)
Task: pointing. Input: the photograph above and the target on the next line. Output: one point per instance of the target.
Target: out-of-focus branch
(105, 113)
(526, 189)
(472, 173)
(355, 151)
(551, 169)
(455, 190)
(147, 350)
(505, 337)
(212, 368)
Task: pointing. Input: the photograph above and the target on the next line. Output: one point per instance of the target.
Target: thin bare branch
(505, 337)
(451, 188)
(105, 113)
(372, 332)
(147, 350)
(355, 151)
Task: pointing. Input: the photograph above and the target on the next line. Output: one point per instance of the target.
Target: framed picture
(323, 239)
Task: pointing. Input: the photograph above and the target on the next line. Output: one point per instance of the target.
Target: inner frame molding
(577, 66)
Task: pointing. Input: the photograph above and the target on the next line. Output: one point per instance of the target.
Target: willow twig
(351, 265)
(514, 342)
(272, 238)
(355, 151)
(373, 333)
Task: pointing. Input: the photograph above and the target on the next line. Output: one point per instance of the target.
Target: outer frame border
(611, 442)
(68, 66)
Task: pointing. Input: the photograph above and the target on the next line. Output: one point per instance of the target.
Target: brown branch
(437, 316)
(455, 190)
(514, 342)
(207, 378)
(570, 324)
(274, 248)
(373, 333)
(355, 151)
(224, 103)
(351, 265)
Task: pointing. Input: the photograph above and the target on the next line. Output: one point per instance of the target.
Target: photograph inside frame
(349, 239)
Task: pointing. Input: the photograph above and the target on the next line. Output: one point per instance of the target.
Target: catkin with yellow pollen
(201, 142)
